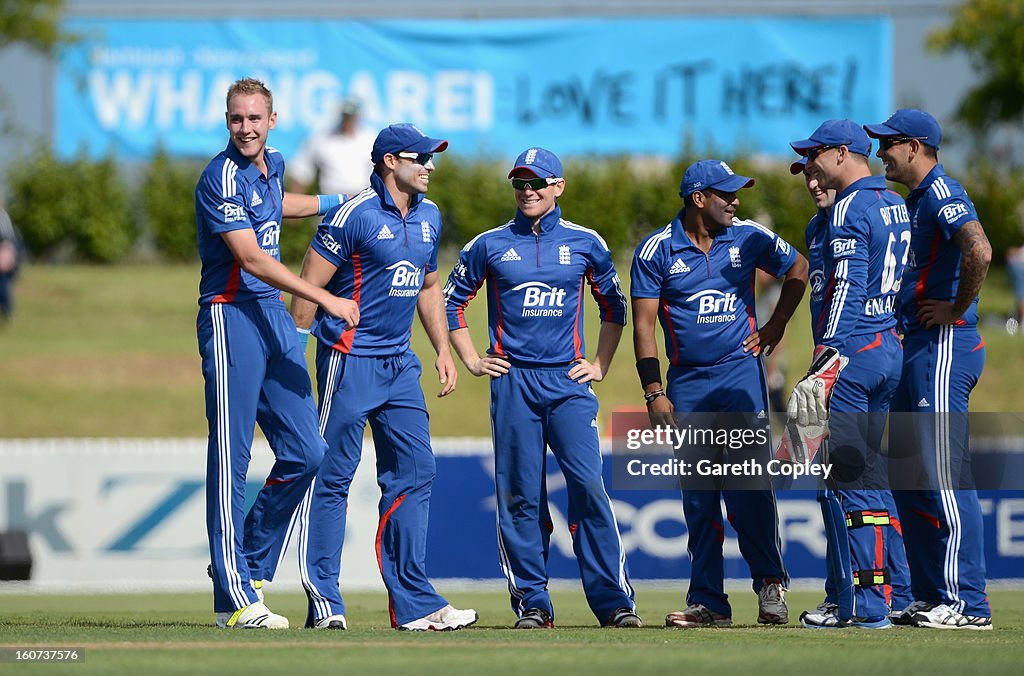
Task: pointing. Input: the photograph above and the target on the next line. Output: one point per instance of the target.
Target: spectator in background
(339, 159)
(1015, 268)
(10, 258)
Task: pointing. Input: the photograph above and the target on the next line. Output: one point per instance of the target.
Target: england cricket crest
(563, 255)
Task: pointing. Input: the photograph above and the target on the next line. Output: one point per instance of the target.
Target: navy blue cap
(404, 137)
(911, 123)
(798, 166)
(833, 133)
(539, 162)
(712, 174)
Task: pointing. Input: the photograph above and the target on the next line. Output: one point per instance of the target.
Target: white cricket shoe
(771, 604)
(446, 619)
(944, 617)
(331, 622)
(253, 616)
(905, 617)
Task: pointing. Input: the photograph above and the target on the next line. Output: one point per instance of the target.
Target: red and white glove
(800, 443)
(808, 405)
(807, 426)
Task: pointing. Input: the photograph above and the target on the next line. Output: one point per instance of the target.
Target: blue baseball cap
(911, 123)
(539, 162)
(798, 166)
(712, 174)
(833, 133)
(407, 137)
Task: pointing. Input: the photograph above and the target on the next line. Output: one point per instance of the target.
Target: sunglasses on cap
(418, 158)
(533, 183)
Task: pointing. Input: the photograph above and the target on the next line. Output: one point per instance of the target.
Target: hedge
(86, 210)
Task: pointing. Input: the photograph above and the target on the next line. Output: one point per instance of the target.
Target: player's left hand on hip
(584, 371)
(936, 313)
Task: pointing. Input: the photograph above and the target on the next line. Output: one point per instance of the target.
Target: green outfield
(172, 633)
(111, 352)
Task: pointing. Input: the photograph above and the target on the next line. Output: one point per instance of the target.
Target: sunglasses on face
(886, 143)
(418, 158)
(534, 184)
(726, 197)
(814, 152)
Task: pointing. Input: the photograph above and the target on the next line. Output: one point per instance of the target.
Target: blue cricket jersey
(535, 287)
(939, 207)
(233, 194)
(858, 260)
(382, 260)
(707, 300)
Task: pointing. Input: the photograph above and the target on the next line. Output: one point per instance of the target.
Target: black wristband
(649, 370)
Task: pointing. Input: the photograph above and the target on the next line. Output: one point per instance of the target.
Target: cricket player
(254, 367)
(860, 255)
(696, 276)
(838, 579)
(943, 358)
(535, 267)
(380, 250)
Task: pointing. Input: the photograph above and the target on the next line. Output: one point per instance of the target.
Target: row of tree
(90, 210)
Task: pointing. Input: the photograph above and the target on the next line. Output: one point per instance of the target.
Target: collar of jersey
(929, 178)
(866, 183)
(524, 225)
(680, 240)
(385, 197)
(249, 170)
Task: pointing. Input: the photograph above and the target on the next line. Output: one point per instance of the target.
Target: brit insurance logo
(714, 306)
(269, 236)
(541, 300)
(817, 284)
(952, 212)
(232, 212)
(405, 279)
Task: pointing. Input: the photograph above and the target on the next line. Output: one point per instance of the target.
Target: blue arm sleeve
(605, 286)
(463, 283)
(844, 304)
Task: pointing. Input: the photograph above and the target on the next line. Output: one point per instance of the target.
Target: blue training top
(233, 194)
(858, 261)
(939, 207)
(382, 260)
(707, 300)
(535, 287)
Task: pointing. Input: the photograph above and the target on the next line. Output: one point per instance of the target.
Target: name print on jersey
(405, 281)
(541, 300)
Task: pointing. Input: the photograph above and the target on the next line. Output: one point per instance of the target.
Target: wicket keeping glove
(800, 443)
(808, 405)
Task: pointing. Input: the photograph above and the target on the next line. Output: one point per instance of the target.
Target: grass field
(111, 352)
(173, 633)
